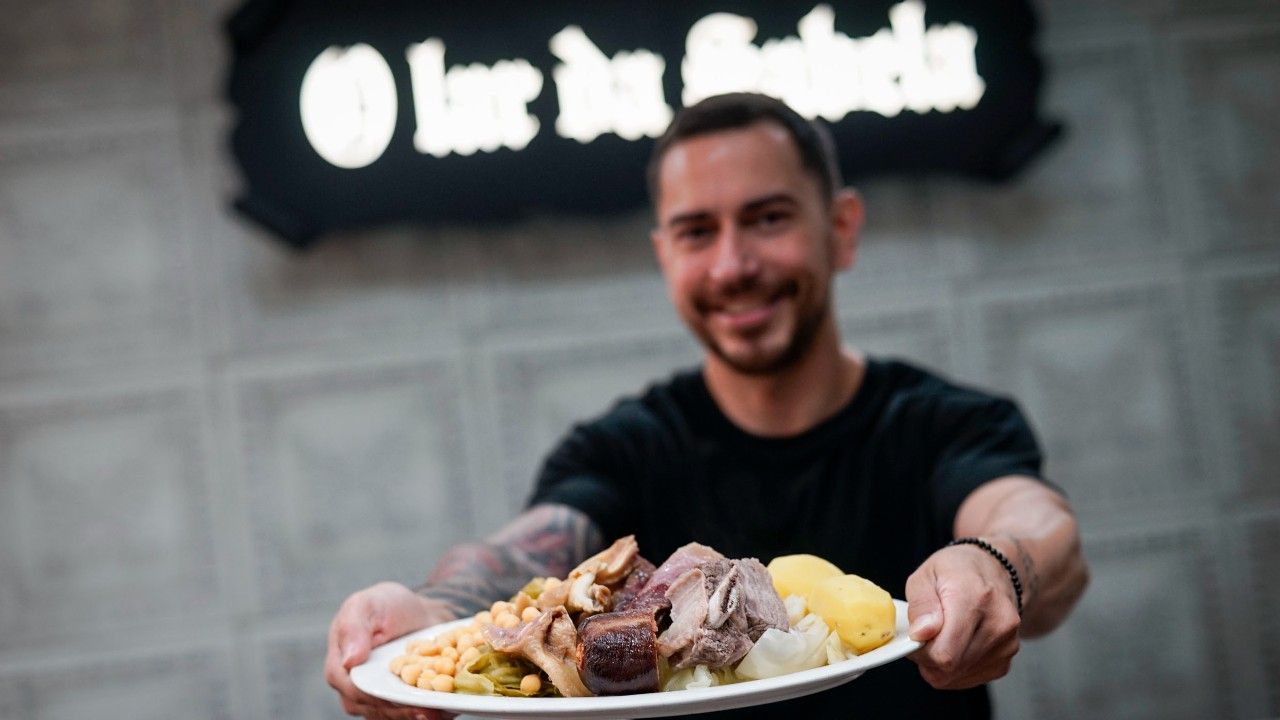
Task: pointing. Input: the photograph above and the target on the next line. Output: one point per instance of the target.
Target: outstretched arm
(961, 601)
(1034, 527)
(546, 540)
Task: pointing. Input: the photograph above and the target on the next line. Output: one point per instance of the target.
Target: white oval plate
(374, 678)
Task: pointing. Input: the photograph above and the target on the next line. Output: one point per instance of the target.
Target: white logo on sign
(471, 107)
(829, 74)
(598, 95)
(349, 100)
(349, 105)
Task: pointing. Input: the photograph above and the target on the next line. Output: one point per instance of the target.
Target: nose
(735, 259)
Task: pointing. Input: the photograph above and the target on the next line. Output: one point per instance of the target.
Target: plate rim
(774, 689)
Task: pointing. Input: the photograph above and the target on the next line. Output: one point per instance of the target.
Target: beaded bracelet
(1008, 566)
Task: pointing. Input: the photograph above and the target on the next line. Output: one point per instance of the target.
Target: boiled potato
(860, 612)
(797, 574)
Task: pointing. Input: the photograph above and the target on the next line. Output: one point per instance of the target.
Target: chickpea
(430, 648)
(551, 584)
(484, 617)
(498, 606)
(424, 680)
(398, 663)
(442, 683)
(450, 652)
(506, 620)
(445, 666)
(468, 656)
(409, 673)
(530, 614)
(530, 684)
(469, 640)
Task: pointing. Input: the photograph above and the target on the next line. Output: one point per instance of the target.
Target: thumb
(924, 607)
(355, 638)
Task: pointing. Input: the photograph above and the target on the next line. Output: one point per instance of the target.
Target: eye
(772, 219)
(692, 234)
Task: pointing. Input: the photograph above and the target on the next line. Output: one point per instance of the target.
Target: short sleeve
(586, 471)
(980, 438)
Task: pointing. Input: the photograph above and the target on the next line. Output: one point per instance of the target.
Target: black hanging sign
(352, 114)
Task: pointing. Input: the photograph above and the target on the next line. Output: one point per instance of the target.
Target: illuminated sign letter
(599, 95)
(829, 74)
(470, 107)
(348, 105)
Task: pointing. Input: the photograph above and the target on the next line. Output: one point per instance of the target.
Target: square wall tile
(1146, 639)
(354, 475)
(1247, 348)
(104, 516)
(93, 266)
(1231, 95)
(1102, 373)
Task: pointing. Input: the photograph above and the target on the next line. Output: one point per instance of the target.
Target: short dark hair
(739, 110)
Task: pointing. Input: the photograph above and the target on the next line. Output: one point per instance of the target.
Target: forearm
(546, 541)
(1036, 529)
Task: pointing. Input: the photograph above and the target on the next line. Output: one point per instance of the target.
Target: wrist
(441, 599)
(987, 546)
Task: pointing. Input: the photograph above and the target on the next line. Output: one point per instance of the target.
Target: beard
(808, 321)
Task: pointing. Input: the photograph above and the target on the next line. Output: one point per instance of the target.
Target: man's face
(748, 245)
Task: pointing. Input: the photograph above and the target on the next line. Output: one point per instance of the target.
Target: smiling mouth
(749, 313)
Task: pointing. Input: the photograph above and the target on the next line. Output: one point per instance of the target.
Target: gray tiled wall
(207, 441)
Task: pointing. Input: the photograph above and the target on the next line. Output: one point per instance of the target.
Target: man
(782, 442)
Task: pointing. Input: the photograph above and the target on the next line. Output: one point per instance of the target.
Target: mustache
(747, 288)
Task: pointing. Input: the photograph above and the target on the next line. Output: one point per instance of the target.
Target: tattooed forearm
(1030, 576)
(547, 540)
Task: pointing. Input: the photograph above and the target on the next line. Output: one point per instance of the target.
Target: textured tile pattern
(1146, 642)
(207, 441)
(105, 516)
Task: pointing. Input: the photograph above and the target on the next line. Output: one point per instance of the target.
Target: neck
(794, 399)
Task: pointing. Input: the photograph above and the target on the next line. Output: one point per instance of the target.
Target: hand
(963, 608)
(369, 618)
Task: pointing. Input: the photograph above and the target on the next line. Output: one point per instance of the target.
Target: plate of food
(620, 637)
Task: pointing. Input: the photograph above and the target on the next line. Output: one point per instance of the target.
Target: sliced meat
(681, 561)
(618, 653)
(763, 606)
(589, 587)
(688, 597)
(551, 643)
(709, 615)
(725, 601)
(641, 571)
(716, 649)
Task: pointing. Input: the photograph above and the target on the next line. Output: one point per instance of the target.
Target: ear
(847, 215)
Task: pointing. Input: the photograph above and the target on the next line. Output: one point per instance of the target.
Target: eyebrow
(750, 205)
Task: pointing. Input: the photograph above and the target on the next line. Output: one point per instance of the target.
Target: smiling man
(783, 441)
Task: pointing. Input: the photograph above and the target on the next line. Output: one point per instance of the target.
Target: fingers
(349, 643)
(924, 607)
(994, 665)
(976, 635)
(368, 618)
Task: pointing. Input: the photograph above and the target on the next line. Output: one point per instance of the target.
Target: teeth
(739, 309)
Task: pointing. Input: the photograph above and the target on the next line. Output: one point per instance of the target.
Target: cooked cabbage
(796, 609)
(499, 673)
(836, 650)
(533, 588)
(777, 652)
(699, 676)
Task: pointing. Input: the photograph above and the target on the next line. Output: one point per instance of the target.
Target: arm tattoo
(1029, 572)
(547, 540)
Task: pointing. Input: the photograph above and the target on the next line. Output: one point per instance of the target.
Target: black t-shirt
(874, 489)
